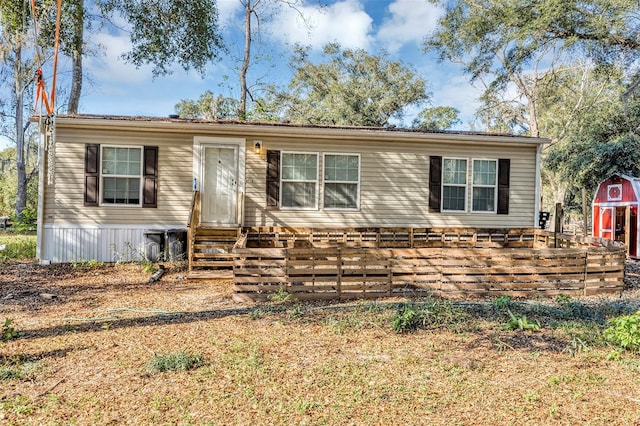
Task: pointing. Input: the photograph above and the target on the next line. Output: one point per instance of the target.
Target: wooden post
(627, 226)
(586, 271)
(557, 229)
(584, 212)
(339, 276)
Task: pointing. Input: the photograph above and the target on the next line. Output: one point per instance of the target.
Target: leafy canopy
(437, 118)
(350, 87)
(608, 143)
(209, 107)
(474, 32)
(168, 31)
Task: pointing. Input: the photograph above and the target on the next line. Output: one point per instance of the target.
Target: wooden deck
(351, 263)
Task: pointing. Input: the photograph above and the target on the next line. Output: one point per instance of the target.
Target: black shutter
(435, 181)
(91, 175)
(504, 168)
(150, 177)
(273, 178)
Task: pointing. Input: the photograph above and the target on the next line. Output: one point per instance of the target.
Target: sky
(396, 26)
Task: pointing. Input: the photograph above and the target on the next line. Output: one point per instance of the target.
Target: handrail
(194, 218)
(192, 209)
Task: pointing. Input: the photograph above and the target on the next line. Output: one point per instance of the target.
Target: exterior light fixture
(257, 147)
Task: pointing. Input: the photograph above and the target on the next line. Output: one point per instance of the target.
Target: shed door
(219, 185)
(606, 222)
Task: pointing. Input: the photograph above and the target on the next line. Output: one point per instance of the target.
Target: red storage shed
(615, 211)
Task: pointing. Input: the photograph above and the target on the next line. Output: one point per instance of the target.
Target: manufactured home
(109, 184)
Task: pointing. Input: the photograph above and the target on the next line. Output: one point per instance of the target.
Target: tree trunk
(21, 197)
(242, 110)
(76, 57)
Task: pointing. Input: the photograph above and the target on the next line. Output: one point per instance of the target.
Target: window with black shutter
(273, 179)
(91, 175)
(150, 177)
(121, 175)
(435, 180)
(504, 171)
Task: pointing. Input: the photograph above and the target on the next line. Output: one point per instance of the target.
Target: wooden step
(210, 252)
(224, 256)
(212, 263)
(201, 246)
(222, 274)
(219, 232)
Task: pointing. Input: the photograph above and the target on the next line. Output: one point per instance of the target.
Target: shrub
(624, 331)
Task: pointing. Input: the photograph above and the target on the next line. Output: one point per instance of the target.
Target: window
(121, 173)
(485, 184)
(341, 181)
(454, 184)
(447, 185)
(299, 180)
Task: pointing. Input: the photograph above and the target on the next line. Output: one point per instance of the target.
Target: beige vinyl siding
(393, 181)
(394, 185)
(64, 200)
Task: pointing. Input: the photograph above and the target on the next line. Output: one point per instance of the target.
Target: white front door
(219, 187)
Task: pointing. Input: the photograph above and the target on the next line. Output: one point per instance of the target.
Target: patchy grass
(180, 361)
(17, 246)
(84, 359)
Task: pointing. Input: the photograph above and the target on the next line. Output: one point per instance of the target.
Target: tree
(437, 118)
(500, 42)
(351, 87)
(607, 142)
(209, 107)
(260, 11)
(606, 30)
(18, 69)
(164, 32)
(517, 50)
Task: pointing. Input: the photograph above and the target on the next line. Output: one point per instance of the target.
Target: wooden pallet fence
(281, 237)
(350, 273)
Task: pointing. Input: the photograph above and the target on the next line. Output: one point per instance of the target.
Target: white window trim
(317, 154)
(324, 181)
(494, 186)
(101, 176)
(466, 185)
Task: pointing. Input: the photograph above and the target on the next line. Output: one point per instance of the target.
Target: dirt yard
(81, 340)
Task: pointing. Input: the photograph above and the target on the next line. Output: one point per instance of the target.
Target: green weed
(520, 322)
(16, 369)
(181, 361)
(8, 332)
(282, 296)
(407, 320)
(86, 264)
(429, 315)
(624, 331)
(502, 302)
(17, 246)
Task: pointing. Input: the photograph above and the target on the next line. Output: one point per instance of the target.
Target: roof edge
(177, 124)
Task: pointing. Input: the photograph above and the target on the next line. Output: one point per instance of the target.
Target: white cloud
(109, 67)
(227, 11)
(409, 22)
(459, 93)
(345, 22)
